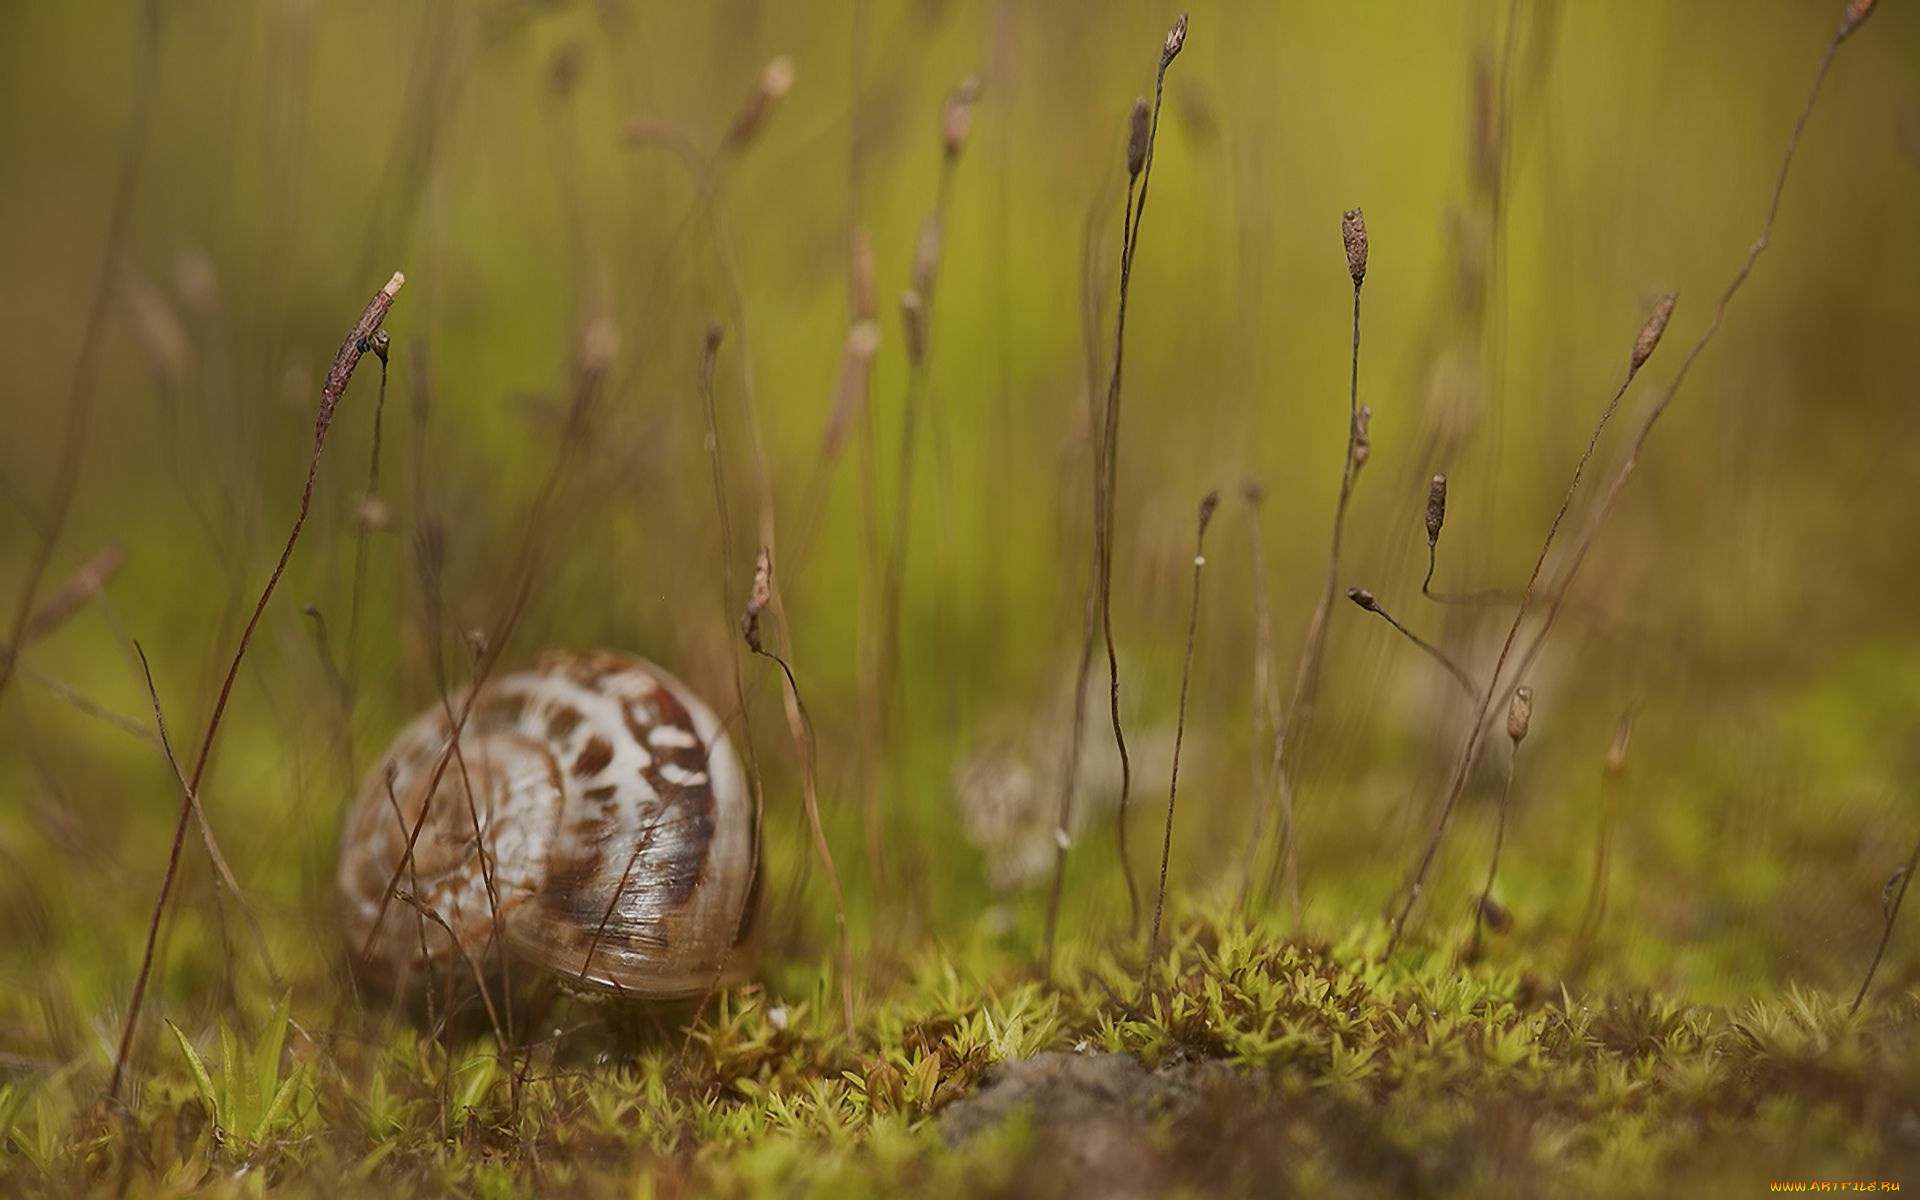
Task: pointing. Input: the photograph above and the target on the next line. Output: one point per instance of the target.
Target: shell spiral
(592, 818)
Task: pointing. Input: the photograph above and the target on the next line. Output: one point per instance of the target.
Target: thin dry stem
(1266, 702)
(1886, 931)
(1365, 599)
(358, 342)
(765, 595)
(1612, 781)
(917, 315)
(708, 356)
(1476, 732)
(192, 798)
(1110, 446)
(1179, 735)
(1493, 860)
(1519, 716)
(83, 585)
(1470, 753)
(1306, 684)
(79, 407)
(1106, 433)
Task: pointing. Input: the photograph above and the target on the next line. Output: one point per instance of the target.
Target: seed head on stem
(1649, 338)
(1353, 232)
(957, 121)
(1520, 714)
(1177, 37)
(1137, 129)
(1436, 509)
(1857, 13)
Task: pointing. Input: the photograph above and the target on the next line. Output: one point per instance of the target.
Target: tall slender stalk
(1207, 505)
(1090, 322)
(916, 318)
(1144, 125)
(1306, 684)
(758, 602)
(1612, 782)
(1904, 880)
(1266, 716)
(359, 341)
(1519, 717)
(709, 412)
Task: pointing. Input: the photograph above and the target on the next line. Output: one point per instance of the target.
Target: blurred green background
(1749, 601)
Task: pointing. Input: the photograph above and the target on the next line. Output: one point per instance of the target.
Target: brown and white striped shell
(619, 833)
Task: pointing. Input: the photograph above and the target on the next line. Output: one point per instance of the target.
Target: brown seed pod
(1139, 126)
(1353, 233)
(957, 121)
(926, 255)
(156, 327)
(607, 836)
(776, 80)
(1436, 508)
(564, 68)
(1495, 914)
(1520, 714)
(1176, 38)
(372, 514)
(856, 370)
(758, 599)
(1364, 598)
(1617, 752)
(913, 323)
(1650, 333)
(1857, 12)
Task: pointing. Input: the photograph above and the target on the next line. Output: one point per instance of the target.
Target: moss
(1329, 1068)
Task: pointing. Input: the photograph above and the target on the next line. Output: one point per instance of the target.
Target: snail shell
(618, 829)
